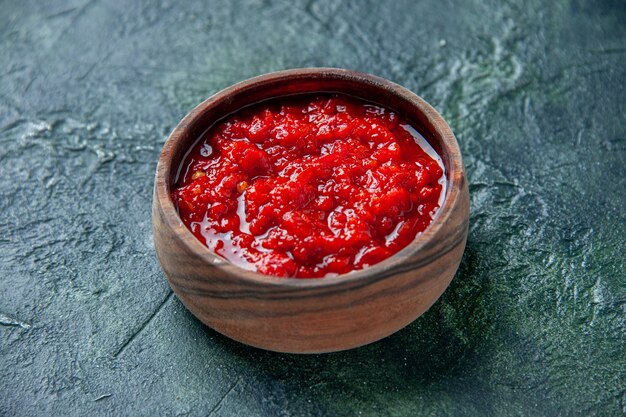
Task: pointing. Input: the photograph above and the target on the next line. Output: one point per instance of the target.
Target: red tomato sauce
(309, 186)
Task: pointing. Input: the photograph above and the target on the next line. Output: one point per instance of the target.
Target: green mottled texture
(533, 324)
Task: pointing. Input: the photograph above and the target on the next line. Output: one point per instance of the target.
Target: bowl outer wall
(311, 315)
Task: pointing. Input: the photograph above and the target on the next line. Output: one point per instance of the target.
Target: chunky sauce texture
(309, 186)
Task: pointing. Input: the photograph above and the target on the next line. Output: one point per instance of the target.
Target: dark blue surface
(534, 322)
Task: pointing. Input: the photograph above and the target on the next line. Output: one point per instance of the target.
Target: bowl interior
(412, 108)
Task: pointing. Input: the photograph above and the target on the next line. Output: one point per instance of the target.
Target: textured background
(533, 324)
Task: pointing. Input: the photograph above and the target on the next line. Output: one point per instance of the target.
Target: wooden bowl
(311, 315)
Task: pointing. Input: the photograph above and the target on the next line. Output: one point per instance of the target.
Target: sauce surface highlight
(309, 186)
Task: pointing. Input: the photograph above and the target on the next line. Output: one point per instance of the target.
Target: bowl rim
(376, 272)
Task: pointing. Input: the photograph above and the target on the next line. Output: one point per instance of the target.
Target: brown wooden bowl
(311, 315)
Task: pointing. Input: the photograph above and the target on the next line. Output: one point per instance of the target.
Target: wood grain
(311, 315)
